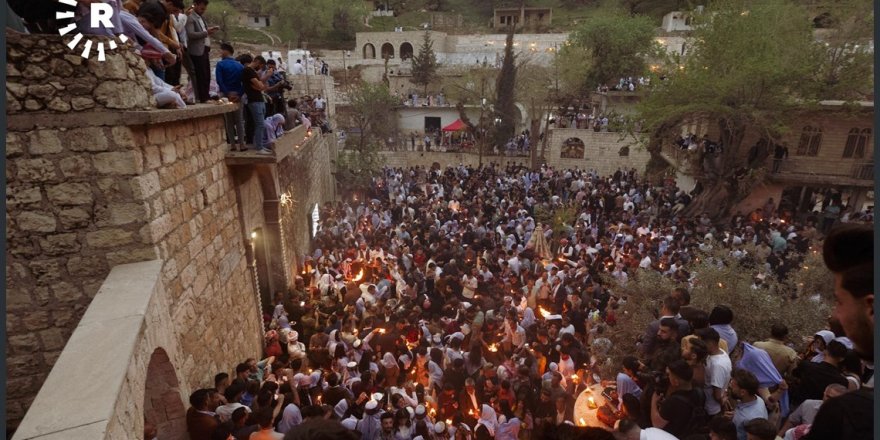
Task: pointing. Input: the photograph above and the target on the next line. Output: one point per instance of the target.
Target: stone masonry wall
(407, 159)
(82, 200)
(601, 151)
(43, 74)
(195, 225)
(71, 217)
(307, 178)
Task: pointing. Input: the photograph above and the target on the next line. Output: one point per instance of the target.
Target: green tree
(751, 64)
(616, 43)
(845, 69)
(373, 112)
(505, 98)
(535, 89)
(570, 63)
(307, 20)
(424, 64)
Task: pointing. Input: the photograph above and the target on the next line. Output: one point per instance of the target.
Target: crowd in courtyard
(435, 306)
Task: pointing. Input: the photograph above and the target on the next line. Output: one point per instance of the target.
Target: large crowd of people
(435, 306)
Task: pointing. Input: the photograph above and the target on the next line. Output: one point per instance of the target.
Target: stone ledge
(32, 121)
(79, 398)
(294, 142)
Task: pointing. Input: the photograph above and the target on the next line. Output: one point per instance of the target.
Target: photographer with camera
(276, 80)
(676, 407)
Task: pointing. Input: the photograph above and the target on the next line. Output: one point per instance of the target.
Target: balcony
(822, 171)
(291, 143)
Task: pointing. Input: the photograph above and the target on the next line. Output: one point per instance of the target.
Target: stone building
(522, 17)
(139, 250)
(830, 151)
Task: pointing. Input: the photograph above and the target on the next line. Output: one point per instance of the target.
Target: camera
(658, 380)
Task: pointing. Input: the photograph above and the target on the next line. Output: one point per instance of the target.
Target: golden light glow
(582, 422)
(591, 403)
(359, 276)
(254, 235)
(543, 312)
(493, 348)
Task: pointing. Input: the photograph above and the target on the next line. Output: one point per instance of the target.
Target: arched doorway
(369, 51)
(572, 148)
(387, 51)
(406, 51)
(163, 407)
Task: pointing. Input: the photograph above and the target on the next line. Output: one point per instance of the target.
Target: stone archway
(369, 51)
(163, 407)
(387, 51)
(406, 51)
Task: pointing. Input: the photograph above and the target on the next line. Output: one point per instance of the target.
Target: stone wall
(83, 199)
(43, 74)
(602, 151)
(407, 159)
(307, 178)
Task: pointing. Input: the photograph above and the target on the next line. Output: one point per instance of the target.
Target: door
(432, 124)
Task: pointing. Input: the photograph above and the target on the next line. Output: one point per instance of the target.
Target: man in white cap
(440, 432)
(371, 425)
(296, 349)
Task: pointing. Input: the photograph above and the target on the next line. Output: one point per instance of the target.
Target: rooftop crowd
(172, 38)
(434, 306)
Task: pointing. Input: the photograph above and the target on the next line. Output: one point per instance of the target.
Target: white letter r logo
(101, 14)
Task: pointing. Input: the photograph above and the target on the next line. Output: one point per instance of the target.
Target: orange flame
(359, 276)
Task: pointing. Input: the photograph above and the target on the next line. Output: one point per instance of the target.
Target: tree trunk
(720, 192)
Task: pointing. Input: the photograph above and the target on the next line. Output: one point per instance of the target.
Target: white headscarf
(488, 419)
(290, 418)
(388, 360)
(274, 127)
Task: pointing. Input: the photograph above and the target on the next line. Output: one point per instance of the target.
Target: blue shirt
(228, 75)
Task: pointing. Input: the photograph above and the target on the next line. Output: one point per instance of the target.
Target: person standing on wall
(198, 47)
(253, 90)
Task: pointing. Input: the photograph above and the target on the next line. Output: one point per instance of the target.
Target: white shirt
(718, 369)
(656, 434)
(298, 69)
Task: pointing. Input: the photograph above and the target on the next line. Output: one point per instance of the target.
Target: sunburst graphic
(87, 48)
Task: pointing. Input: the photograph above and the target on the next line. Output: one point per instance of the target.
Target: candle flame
(493, 348)
(591, 403)
(359, 276)
(582, 421)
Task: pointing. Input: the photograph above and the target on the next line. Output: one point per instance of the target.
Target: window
(572, 148)
(811, 137)
(257, 20)
(856, 142)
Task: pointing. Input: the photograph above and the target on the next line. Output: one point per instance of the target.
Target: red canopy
(455, 126)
